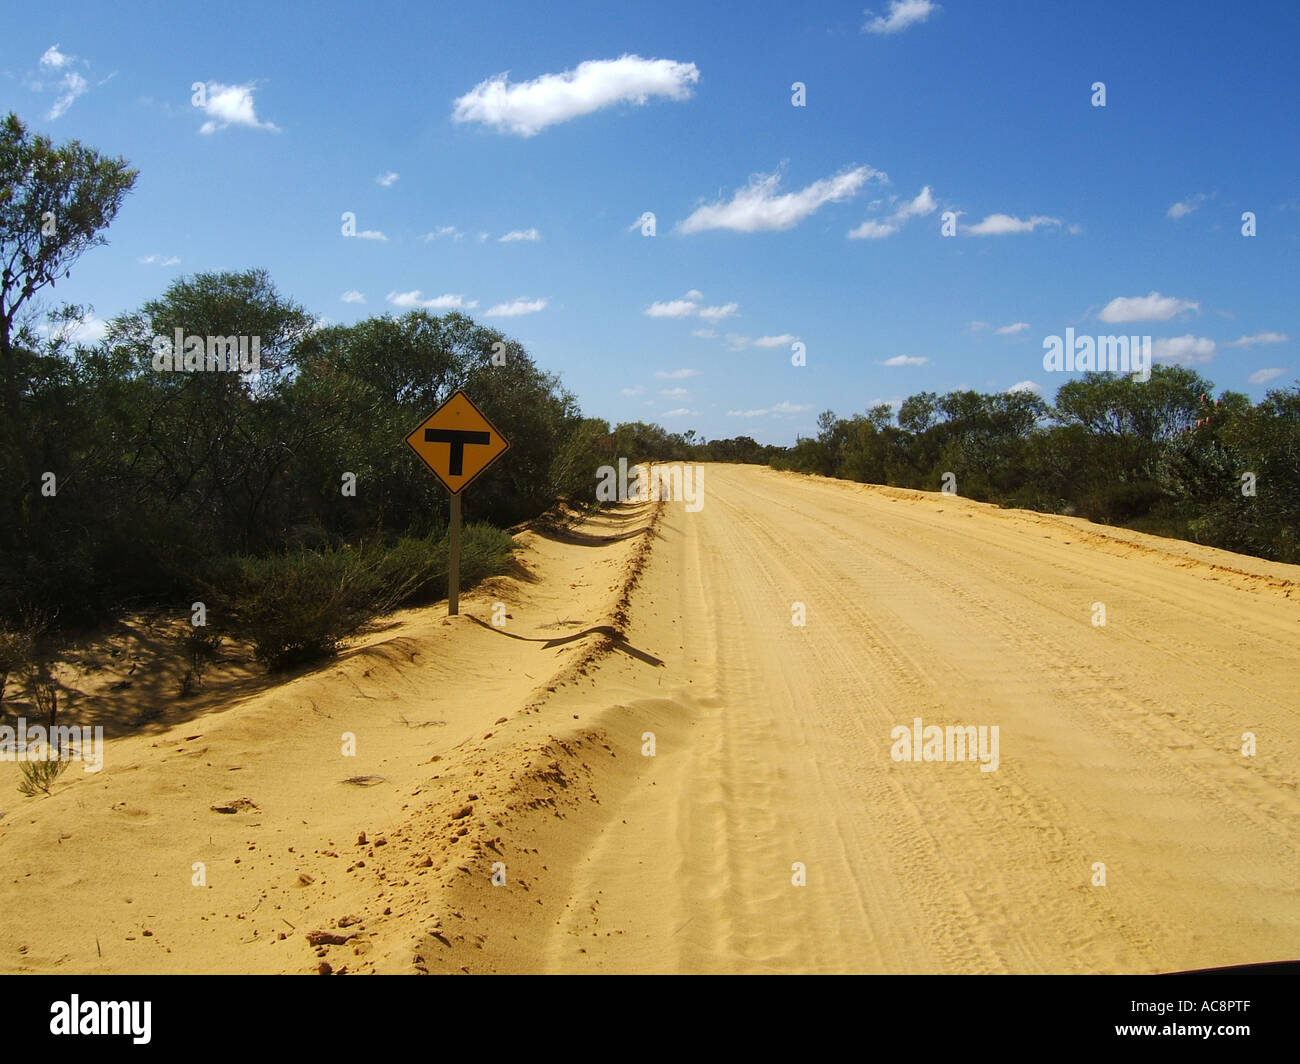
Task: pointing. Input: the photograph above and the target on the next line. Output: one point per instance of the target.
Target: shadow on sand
(615, 637)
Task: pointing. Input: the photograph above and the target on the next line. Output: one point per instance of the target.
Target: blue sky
(818, 224)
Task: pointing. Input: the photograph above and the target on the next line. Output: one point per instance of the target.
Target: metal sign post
(441, 441)
(453, 560)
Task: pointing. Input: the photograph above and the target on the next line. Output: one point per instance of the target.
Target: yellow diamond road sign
(457, 442)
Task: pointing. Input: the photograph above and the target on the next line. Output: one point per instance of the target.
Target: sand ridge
(420, 694)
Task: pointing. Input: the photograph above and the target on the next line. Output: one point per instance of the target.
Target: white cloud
(516, 308)
(717, 314)
(369, 234)
(69, 86)
(519, 234)
(901, 15)
(528, 107)
(704, 334)
(1263, 376)
(779, 410)
(1152, 307)
(681, 411)
(445, 302)
(673, 308)
(633, 391)
(353, 296)
(231, 105)
(905, 360)
(675, 393)
(872, 230)
(159, 260)
(1186, 350)
(784, 340)
(758, 206)
(440, 232)
(53, 59)
(677, 374)
(73, 86)
(977, 326)
(88, 330)
(1025, 386)
(875, 230)
(1185, 207)
(923, 204)
(688, 306)
(1011, 330)
(1259, 338)
(1001, 224)
(388, 179)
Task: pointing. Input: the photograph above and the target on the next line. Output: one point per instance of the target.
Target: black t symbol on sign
(457, 438)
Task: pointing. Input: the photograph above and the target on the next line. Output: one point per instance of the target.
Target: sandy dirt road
(1119, 744)
(516, 823)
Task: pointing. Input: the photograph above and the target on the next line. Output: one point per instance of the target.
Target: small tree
(55, 203)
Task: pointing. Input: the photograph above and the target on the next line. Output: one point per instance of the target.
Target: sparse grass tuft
(39, 775)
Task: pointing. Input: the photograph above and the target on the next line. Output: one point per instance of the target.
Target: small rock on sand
(326, 938)
(239, 805)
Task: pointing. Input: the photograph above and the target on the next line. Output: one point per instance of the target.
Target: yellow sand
(1119, 745)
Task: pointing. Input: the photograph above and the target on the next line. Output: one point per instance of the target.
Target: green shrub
(484, 551)
(1121, 502)
(415, 571)
(296, 608)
